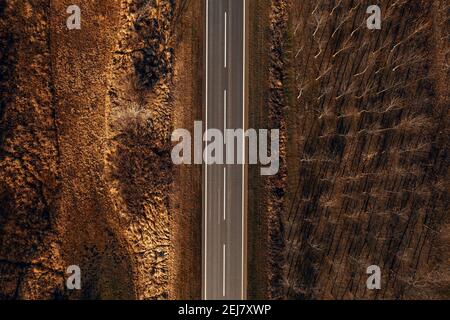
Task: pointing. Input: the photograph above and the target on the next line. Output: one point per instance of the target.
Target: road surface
(224, 186)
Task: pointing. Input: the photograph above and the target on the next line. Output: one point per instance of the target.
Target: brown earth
(86, 176)
(365, 114)
(186, 197)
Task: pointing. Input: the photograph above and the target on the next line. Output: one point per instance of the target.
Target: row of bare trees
(371, 179)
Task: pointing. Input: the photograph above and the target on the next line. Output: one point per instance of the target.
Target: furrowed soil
(86, 176)
(363, 119)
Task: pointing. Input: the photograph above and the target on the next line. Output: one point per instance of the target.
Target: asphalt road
(224, 186)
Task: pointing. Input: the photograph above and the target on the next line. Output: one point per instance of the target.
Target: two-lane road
(224, 186)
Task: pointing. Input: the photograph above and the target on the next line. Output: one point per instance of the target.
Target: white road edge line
(206, 164)
(243, 156)
(225, 47)
(225, 168)
(223, 271)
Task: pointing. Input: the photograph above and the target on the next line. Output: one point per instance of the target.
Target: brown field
(364, 147)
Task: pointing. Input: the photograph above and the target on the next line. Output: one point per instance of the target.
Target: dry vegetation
(29, 256)
(141, 119)
(366, 151)
(86, 176)
(276, 187)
